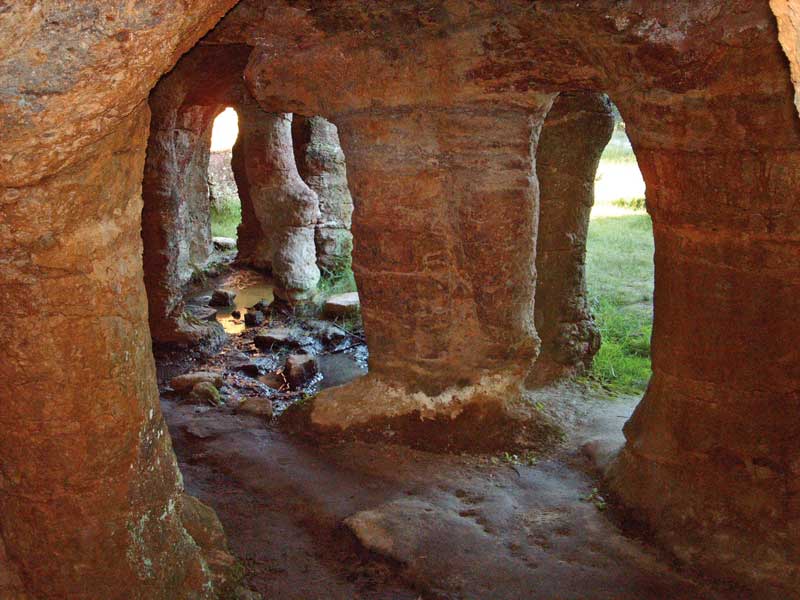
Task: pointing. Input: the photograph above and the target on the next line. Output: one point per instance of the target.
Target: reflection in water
(245, 297)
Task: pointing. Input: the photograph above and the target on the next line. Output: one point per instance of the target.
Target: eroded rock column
(444, 233)
(574, 134)
(91, 502)
(176, 226)
(321, 164)
(711, 459)
(286, 209)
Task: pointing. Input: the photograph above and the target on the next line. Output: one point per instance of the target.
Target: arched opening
(226, 207)
(619, 268)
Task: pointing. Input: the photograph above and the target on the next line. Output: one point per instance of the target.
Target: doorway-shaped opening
(619, 268)
(225, 205)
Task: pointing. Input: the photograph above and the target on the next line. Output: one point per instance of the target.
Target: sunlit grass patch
(225, 217)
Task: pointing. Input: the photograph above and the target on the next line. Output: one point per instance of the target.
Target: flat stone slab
(342, 305)
(281, 337)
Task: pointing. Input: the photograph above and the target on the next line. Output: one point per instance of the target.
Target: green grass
(619, 272)
(225, 218)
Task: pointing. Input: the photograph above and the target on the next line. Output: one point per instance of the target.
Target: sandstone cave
(394, 377)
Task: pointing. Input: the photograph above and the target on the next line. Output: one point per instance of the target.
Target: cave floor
(346, 519)
(441, 525)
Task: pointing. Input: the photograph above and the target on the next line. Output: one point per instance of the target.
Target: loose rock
(205, 391)
(184, 383)
(254, 318)
(325, 332)
(224, 243)
(281, 337)
(260, 407)
(299, 369)
(222, 298)
(342, 305)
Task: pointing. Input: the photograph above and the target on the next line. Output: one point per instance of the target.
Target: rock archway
(450, 103)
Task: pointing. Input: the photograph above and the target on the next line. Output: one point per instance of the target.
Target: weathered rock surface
(279, 211)
(342, 305)
(176, 227)
(299, 369)
(184, 383)
(222, 298)
(321, 164)
(438, 113)
(90, 492)
(260, 407)
(574, 135)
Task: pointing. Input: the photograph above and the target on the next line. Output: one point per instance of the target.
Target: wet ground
(355, 520)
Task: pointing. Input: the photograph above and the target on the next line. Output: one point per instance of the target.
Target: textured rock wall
(286, 210)
(787, 13)
(446, 302)
(321, 164)
(433, 108)
(176, 225)
(89, 487)
(575, 132)
(705, 91)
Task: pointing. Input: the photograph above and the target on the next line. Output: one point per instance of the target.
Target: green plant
(619, 275)
(226, 216)
(635, 204)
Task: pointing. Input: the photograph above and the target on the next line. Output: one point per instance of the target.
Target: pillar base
(488, 416)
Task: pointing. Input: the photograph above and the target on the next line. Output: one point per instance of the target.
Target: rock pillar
(574, 134)
(90, 493)
(286, 209)
(321, 164)
(444, 228)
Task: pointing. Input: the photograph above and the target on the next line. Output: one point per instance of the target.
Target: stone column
(444, 228)
(712, 461)
(176, 226)
(252, 243)
(575, 132)
(321, 164)
(90, 494)
(287, 210)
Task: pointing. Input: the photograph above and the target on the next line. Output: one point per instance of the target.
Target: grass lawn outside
(225, 217)
(619, 271)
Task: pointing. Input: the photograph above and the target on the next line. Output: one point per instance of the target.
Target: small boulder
(254, 318)
(236, 314)
(342, 305)
(259, 407)
(224, 243)
(248, 368)
(325, 332)
(299, 369)
(281, 337)
(222, 298)
(207, 392)
(184, 383)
